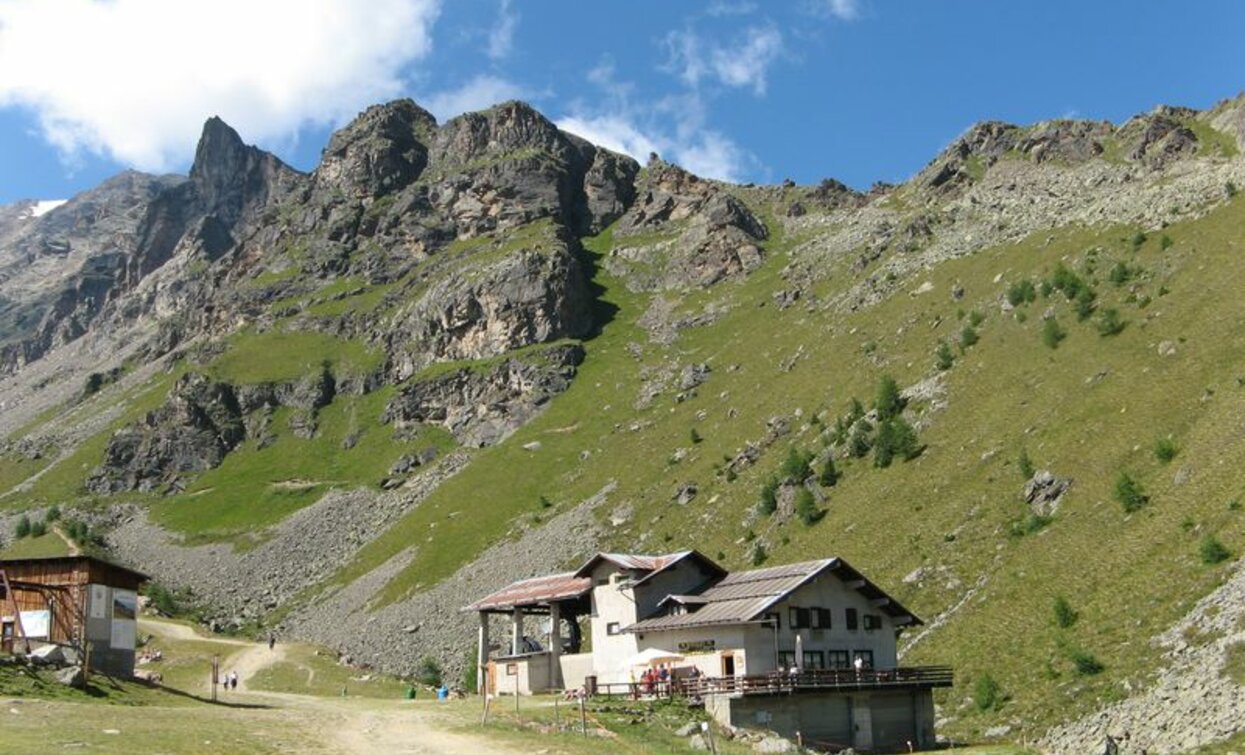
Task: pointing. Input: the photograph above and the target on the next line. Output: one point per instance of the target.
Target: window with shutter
(851, 618)
(821, 618)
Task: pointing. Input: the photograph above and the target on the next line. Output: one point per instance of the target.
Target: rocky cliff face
(429, 289)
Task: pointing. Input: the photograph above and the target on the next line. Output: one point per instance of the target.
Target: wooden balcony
(847, 680)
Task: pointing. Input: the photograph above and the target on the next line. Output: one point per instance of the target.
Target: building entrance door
(728, 664)
(6, 637)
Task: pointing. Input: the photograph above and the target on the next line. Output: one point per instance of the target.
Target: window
(872, 621)
(814, 659)
(799, 618)
(839, 658)
(865, 655)
(786, 658)
(512, 669)
(821, 618)
(611, 628)
(774, 620)
(851, 619)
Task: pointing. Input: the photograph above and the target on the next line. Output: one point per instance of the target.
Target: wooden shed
(79, 602)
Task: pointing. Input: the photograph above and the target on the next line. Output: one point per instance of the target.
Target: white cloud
(844, 10)
(673, 128)
(743, 64)
(746, 66)
(135, 79)
(501, 36)
(612, 131)
(478, 93)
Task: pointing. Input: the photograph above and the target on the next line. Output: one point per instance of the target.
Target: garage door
(825, 719)
(894, 720)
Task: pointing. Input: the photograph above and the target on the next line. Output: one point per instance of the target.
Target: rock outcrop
(482, 406)
(192, 432)
(712, 235)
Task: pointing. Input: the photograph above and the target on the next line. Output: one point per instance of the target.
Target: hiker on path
(233, 680)
(272, 640)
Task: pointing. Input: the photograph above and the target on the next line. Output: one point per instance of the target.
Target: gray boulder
(70, 676)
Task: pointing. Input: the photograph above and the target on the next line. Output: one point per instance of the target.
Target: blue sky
(859, 90)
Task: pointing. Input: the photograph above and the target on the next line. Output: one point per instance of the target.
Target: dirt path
(346, 725)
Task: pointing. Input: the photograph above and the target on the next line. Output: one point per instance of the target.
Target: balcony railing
(779, 682)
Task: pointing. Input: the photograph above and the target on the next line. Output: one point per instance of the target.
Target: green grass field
(1088, 407)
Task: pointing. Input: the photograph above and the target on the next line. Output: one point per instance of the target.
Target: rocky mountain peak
(380, 151)
(229, 175)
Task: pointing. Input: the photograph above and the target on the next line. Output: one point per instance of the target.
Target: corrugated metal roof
(739, 597)
(534, 591)
(636, 561)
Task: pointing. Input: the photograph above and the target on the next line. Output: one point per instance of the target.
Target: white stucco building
(819, 628)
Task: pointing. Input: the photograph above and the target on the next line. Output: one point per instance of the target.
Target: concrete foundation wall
(874, 721)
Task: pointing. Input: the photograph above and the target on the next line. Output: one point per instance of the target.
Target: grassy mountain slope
(1156, 391)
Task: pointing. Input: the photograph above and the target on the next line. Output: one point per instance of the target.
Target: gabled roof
(79, 559)
(654, 565)
(744, 597)
(533, 592)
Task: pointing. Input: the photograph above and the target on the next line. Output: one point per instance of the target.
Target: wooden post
(482, 654)
(488, 697)
(215, 675)
(17, 614)
(583, 716)
(707, 728)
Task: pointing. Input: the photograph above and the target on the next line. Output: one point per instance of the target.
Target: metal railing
(779, 682)
(782, 682)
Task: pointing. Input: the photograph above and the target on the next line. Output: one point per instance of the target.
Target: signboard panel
(36, 623)
(99, 602)
(124, 612)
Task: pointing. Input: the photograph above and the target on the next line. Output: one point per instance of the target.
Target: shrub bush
(23, 527)
(1025, 464)
(52, 514)
(896, 438)
(806, 507)
(987, 694)
(1129, 493)
(1109, 323)
(976, 318)
(861, 442)
(38, 528)
(1085, 663)
(1052, 334)
(769, 497)
(428, 672)
(944, 358)
(889, 402)
(1120, 274)
(1138, 239)
(1021, 292)
(829, 476)
(1165, 449)
(694, 436)
(796, 467)
(758, 553)
(1212, 551)
(1029, 524)
(968, 337)
(471, 667)
(1085, 303)
(1065, 615)
(1066, 281)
